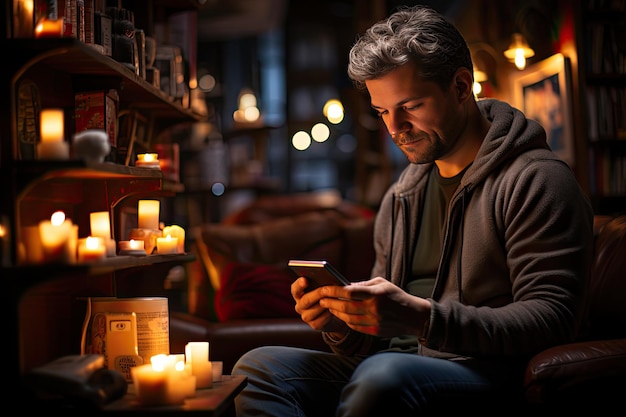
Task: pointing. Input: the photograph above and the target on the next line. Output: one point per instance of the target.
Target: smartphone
(319, 273)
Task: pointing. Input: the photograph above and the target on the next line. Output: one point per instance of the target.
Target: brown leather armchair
(590, 372)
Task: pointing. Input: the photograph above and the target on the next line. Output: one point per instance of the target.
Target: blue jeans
(286, 381)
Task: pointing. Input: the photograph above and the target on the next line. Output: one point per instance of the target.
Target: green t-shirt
(439, 191)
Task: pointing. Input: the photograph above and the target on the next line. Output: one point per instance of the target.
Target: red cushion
(249, 290)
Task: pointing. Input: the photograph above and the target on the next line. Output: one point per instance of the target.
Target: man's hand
(308, 306)
(376, 307)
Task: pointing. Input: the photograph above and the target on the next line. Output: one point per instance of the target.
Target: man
(483, 247)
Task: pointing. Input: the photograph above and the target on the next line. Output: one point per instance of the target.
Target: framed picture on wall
(543, 92)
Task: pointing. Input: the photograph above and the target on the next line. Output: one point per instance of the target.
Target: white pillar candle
(58, 238)
(100, 225)
(184, 377)
(148, 213)
(197, 354)
(91, 248)
(52, 145)
(167, 245)
(177, 232)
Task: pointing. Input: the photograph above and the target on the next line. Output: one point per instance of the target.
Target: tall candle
(177, 232)
(197, 354)
(100, 224)
(52, 145)
(148, 212)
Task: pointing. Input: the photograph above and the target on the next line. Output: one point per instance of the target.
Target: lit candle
(148, 236)
(30, 248)
(91, 249)
(52, 145)
(155, 383)
(148, 160)
(148, 211)
(177, 232)
(58, 238)
(167, 245)
(132, 247)
(49, 28)
(100, 225)
(182, 372)
(197, 355)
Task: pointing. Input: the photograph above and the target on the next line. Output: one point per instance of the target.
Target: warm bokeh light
(333, 111)
(320, 132)
(57, 218)
(247, 100)
(301, 140)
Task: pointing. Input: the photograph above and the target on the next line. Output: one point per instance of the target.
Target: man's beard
(431, 149)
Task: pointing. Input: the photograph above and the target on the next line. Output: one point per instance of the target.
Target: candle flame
(180, 366)
(147, 157)
(159, 362)
(168, 237)
(92, 242)
(57, 218)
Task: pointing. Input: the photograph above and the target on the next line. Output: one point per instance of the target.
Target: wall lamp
(519, 51)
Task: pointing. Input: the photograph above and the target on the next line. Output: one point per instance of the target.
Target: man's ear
(464, 84)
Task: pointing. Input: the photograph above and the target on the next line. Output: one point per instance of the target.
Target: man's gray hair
(416, 34)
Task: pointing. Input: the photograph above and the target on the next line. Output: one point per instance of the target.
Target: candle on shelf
(197, 355)
(58, 238)
(47, 28)
(167, 245)
(148, 237)
(132, 247)
(148, 212)
(183, 375)
(30, 250)
(91, 249)
(159, 383)
(177, 232)
(148, 160)
(100, 225)
(52, 145)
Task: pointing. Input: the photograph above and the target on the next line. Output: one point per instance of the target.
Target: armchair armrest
(572, 369)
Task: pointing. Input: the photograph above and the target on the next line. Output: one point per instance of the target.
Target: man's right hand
(308, 306)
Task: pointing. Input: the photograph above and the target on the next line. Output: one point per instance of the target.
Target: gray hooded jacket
(516, 255)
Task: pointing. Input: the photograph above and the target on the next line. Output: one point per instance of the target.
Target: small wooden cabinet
(42, 303)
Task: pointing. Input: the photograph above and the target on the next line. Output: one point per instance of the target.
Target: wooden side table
(209, 402)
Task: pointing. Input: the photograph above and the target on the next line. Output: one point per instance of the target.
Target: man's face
(424, 121)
